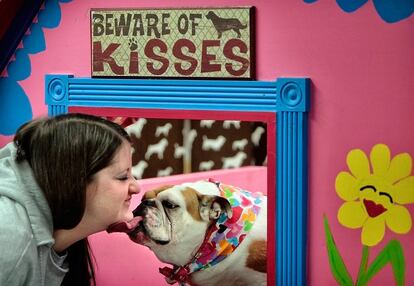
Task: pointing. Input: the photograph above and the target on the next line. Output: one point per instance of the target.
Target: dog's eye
(169, 205)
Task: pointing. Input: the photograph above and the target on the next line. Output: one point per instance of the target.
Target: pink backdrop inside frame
(263, 181)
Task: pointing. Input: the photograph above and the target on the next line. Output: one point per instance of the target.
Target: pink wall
(362, 94)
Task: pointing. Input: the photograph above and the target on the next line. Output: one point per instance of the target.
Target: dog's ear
(211, 207)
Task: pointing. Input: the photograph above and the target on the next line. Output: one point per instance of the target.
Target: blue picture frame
(287, 98)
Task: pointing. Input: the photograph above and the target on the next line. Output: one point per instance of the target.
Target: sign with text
(200, 43)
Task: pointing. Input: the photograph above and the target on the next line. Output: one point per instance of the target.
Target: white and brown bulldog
(212, 233)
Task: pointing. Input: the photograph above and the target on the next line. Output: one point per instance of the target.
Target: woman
(62, 179)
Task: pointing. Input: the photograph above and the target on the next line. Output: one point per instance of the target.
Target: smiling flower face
(374, 198)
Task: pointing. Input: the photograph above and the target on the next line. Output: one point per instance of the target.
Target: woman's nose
(134, 187)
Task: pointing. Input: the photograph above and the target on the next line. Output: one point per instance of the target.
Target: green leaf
(336, 262)
(394, 254)
(363, 266)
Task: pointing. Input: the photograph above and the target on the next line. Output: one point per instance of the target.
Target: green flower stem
(363, 267)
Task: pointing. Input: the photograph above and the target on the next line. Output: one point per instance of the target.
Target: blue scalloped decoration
(15, 107)
(34, 42)
(50, 16)
(351, 5)
(20, 68)
(391, 11)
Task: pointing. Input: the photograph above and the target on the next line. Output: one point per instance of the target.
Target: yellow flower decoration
(375, 198)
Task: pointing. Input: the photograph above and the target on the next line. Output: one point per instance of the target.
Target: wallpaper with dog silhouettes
(164, 147)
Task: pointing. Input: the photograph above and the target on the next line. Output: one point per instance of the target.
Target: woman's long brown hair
(64, 153)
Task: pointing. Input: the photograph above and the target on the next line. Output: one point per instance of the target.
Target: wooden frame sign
(174, 43)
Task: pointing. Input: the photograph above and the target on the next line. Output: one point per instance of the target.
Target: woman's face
(108, 196)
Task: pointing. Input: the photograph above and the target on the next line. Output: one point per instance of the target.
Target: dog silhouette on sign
(224, 24)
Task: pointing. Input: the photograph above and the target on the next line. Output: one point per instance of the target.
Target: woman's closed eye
(123, 178)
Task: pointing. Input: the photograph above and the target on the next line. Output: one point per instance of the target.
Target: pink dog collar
(224, 236)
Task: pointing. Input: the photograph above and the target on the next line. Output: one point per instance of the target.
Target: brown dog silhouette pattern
(225, 24)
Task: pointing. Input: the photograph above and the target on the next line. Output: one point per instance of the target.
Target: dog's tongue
(124, 226)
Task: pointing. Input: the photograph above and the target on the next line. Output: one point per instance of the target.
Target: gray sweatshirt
(26, 228)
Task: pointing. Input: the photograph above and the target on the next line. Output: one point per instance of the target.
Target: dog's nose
(139, 210)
